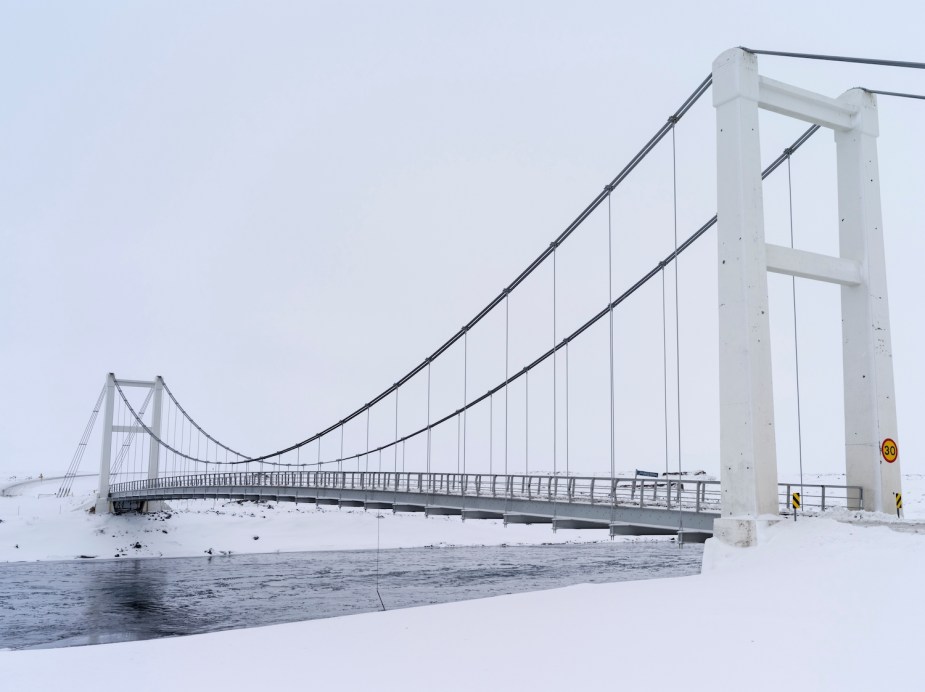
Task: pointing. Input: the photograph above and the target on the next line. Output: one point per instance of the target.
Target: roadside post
(795, 503)
(643, 474)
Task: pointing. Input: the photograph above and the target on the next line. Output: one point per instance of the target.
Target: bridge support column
(748, 454)
(870, 402)
(748, 461)
(102, 499)
(154, 451)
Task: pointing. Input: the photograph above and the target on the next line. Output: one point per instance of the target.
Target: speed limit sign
(889, 450)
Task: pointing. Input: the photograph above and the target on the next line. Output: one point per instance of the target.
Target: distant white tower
(109, 427)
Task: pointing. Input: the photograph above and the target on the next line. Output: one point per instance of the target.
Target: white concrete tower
(109, 428)
(747, 440)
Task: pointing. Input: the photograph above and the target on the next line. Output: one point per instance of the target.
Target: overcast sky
(282, 207)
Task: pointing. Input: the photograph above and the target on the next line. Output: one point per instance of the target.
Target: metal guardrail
(662, 493)
(815, 496)
(696, 495)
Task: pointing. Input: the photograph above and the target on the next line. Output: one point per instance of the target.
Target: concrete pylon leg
(154, 450)
(870, 403)
(748, 462)
(102, 499)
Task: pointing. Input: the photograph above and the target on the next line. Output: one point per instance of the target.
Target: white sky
(283, 207)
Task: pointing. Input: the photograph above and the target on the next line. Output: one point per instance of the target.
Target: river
(71, 603)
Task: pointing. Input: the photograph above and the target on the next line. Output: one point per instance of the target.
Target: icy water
(45, 604)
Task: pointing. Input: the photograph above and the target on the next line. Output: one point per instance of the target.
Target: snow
(38, 526)
(819, 604)
(47, 528)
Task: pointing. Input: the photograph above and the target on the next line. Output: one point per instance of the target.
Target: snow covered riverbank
(34, 525)
(822, 604)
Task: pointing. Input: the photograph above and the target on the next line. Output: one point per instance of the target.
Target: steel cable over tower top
(838, 58)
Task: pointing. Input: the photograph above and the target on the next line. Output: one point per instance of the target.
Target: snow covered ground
(819, 605)
(35, 525)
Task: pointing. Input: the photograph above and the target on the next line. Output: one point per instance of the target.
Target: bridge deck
(624, 505)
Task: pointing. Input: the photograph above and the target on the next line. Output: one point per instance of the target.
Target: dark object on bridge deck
(640, 530)
(378, 505)
(432, 510)
(481, 514)
(302, 498)
(351, 503)
(694, 536)
(510, 518)
(577, 524)
(328, 501)
(401, 507)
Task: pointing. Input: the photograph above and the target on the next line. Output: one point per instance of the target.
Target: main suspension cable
(536, 362)
(899, 94)
(838, 58)
(660, 134)
(195, 424)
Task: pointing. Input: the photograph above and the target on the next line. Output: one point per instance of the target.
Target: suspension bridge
(154, 451)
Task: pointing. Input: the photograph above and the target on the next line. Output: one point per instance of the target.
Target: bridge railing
(664, 493)
(821, 497)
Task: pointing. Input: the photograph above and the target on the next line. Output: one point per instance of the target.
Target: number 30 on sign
(889, 450)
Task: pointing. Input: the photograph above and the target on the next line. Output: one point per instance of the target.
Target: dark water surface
(89, 602)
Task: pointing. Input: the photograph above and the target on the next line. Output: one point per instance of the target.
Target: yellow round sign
(889, 450)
